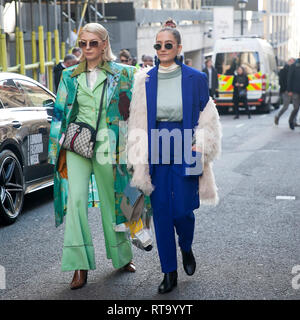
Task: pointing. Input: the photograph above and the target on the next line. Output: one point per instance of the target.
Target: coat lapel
(112, 83)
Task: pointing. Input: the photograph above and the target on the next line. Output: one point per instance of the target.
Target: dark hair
(125, 53)
(146, 57)
(170, 23)
(244, 71)
(208, 60)
(76, 49)
(69, 57)
(174, 32)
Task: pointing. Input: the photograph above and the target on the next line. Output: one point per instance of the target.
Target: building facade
(165, 4)
(278, 26)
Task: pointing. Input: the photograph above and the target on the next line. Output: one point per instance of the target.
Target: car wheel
(11, 187)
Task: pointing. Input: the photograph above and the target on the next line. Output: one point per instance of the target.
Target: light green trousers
(78, 251)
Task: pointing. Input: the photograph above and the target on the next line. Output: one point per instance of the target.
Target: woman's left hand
(195, 148)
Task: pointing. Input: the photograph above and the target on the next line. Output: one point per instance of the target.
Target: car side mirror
(49, 105)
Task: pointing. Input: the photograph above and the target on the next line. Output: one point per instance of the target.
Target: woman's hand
(195, 148)
(61, 140)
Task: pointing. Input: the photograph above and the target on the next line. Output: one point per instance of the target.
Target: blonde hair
(101, 33)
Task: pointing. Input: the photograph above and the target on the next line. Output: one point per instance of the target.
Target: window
(227, 63)
(35, 95)
(10, 95)
(272, 61)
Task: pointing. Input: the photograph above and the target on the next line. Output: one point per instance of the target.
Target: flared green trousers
(78, 250)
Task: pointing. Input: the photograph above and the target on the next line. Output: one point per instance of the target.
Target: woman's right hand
(61, 140)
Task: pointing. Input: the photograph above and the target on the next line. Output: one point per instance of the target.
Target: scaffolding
(42, 41)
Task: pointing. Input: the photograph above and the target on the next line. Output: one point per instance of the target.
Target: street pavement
(246, 248)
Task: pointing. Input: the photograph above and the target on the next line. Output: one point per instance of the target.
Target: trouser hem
(81, 257)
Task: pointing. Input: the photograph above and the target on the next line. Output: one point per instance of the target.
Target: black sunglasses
(92, 44)
(124, 60)
(168, 46)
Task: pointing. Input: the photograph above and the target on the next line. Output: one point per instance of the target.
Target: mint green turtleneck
(169, 96)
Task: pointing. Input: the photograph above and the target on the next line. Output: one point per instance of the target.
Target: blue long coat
(195, 96)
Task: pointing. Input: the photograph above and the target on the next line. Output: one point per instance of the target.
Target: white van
(257, 57)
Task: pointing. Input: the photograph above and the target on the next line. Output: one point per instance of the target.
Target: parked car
(26, 109)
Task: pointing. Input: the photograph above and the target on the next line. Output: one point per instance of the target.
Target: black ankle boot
(189, 262)
(169, 282)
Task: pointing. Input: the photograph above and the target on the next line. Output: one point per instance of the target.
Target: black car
(26, 109)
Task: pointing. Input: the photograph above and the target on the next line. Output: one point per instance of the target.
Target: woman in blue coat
(167, 102)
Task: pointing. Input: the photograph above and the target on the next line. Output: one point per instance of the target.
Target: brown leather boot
(79, 279)
(130, 267)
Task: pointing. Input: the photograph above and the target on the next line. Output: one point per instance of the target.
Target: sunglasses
(92, 44)
(125, 60)
(168, 46)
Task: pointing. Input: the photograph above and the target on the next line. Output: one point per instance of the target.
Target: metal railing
(40, 62)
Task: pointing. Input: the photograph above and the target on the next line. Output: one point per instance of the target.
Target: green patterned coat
(119, 84)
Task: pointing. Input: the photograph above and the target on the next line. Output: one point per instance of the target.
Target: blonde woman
(78, 99)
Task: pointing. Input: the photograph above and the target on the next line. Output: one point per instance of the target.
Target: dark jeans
(236, 101)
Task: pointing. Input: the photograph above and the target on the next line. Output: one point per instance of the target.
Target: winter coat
(283, 78)
(119, 85)
(214, 80)
(199, 114)
(57, 70)
(294, 77)
(239, 79)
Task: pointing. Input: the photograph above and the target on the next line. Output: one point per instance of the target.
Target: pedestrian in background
(188, 62)
(125, 57)
(147, 61)
(286, 98)
(134, 62)
(293, 88)
(240, 84)
(69, 60)
(212, 77)
(78, 99)
(170, 97)
(77, 52)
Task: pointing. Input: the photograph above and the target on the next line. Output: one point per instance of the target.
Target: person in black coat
(69, 60)
(240, 84)
(283, 80)
(293, 88)
(212, 77)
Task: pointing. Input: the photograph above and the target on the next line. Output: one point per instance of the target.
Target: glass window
(227, 63)
(10, 95)
(273, 64)
(35, 95)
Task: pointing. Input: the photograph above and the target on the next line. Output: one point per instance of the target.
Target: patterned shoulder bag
(81, 137)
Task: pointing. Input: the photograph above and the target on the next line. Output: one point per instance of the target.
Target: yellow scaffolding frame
(42, 64)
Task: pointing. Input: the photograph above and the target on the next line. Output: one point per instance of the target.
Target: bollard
(49, 58)
(22, 53)
(56, 46)
(3, 52)
(34, 54)
(63, 50)
(17, 30)
(42, 54)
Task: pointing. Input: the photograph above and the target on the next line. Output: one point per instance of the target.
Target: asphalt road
(246, 247)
